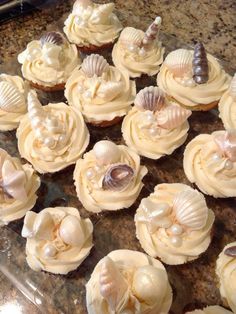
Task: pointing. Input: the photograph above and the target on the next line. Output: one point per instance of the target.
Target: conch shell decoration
(152, 33)
(200, 64)
(232, 88)
(226, 142)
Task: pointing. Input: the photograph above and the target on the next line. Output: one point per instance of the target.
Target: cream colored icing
(195, 94)
(226, 272)
(19, 184)
(227, 109)
(47, 246)
(89, 188)
(211, 310)
(208, 168)
(155, 234)
(95, 25)
(101, 98)
(128, 264)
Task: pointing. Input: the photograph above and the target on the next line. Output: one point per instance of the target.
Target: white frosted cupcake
(211, 310)
(101, 92)
(226, 272)
(210, 163)
(137, 52)
(109, 177)
(51, 137)
(129, 282)
(155, 127)
(18, 187)
(58, 239)
(92, 26)
(174, 224)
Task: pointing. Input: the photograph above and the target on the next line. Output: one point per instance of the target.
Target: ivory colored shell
(81, 3)
(150, 98)
(226, 142)
(106, 152)
(104, 10)
(43, 226)
(117, 177)
(232, 88)
(11, 100)
(95, 65)
(190, 209)
(179, 62)
(110, 89)
(71, 231)
(131, 37)
(172, 116)
(55, 38)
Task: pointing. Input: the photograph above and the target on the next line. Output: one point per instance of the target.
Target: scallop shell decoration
(11, 100)
(190, 209)
(172, 116)
(131, 37)
(55, 38)
(232, 88)
(179, 62)
(150, 98)
(117, 177)
(95, 65)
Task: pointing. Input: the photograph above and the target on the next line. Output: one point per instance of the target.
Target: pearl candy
(176, 241)
(228, 165)
(90, 173)
(153, 131)
(106, 153)
(49, 250)
(176, 229)
(49, 142)
(216, 157)
(142, 52)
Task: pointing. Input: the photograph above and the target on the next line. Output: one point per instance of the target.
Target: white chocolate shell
(106, 152)
(232, 88)
(71, 231)
(226, 142)
(102, 12)
(43, 226)
(131, 37)
(110, 89)
(28, 227)
(11, 100)
(190, 209)
(81, 4)
(95, 65)
(150, 98)
(179, 62)
(172, 117)
(55, 38)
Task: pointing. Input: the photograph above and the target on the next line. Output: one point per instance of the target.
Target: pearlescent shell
(117, 177)
(95, 65)
(190, 209)
(131, 37)
(55, 38)
(81, 3)
(71, 231)
(104, 10)
(226, 142)
(106, 152)
(110, 89)
(179, 61)
(172, 116)
(11, 100)
(230, 251)
(150, 98)
(43, 226)
(232, 88)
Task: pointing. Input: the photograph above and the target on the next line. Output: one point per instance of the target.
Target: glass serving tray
(194, 284)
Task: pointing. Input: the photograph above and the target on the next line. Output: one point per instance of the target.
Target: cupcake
(129, 282)
(13, 91)
(18, 187)
(58, 239)
(226, 272)
(210, 163)
(109, 177)
(92, 26)
(174, 223)
(51, 137)
(227, 106)
(211, 310)
(137, 52)
(101, 92)
(155, 127)
(47, 63)
(194, 79)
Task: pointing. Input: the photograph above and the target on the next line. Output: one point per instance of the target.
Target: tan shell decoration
(117, 177)
(179, 62)
(172, 116)
(95, 65)
(131, 37)
(232, 88)
(11, 100)
(150, 98)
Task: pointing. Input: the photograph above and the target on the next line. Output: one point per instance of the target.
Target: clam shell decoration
(11, 100)
(131, 37)
(230, 251)
(190, 209)
(179, 62)
(71, 231)
(55, 38)
(232, 88)
(150, 98)
(95, 65)
(172, 116)
(117, 177)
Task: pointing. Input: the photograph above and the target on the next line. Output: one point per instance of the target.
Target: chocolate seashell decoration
(150, 98)
(200, 64)
(55, 38)
(230, 251)
(117, 177)
(152, 32)
(95, 65)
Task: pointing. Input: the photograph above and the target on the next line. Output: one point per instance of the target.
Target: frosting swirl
(211, 310)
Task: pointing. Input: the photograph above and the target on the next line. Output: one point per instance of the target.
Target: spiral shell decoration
(230, 251)
(55, 38)
(179, 62)
(150, 98)
(190, 209)
(172, 116)
(117, 177)
(152, 33)
(131, 37)
(200, 64)
(11, 100)
(232, 88)
(95, 65)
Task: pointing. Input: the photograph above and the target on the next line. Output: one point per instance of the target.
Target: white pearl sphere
(106, 152)
(150, 117)
(176, 241)
(142, 52)
(90, 173)
(49, 142)
(62, 138)
(71, 231)
(38, 133)
(88, 94)
(49, 250)
(228, 165)
(216, 157)
(132, 48)
(176, 229)
(153, 131)
(79, 88)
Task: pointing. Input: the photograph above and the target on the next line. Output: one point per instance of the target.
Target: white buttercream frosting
(215, 309)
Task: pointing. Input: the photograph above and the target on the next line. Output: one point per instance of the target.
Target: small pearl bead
(229, 165)
(49, 250)
(142, 52)
(132, 48)
(150, 116)
(153, 131)
(62, 138)
(189, 83)
(38, 133)
(97, 168)
(216, 157)
(88, 94)
(49, 142)
(176, 241)
(90, 173)
(79, 88)
(176, 229)
(77, 20)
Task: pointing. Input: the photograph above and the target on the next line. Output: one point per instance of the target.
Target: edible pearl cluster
(149, 123)
(217, 158)
(138, 50)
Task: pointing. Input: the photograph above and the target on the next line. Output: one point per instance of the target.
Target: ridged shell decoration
(117, 177)
(11, 100)
(152, 33)
(71, 231)
(226, 142)
(150, 98)
(55, 38)
(172, 116)
(131, 37)
(179, 62)
(232, 88)
(230, 251)
(95, 65)
(113, 285)
(102, 12)
(200, 64)
(190, 209)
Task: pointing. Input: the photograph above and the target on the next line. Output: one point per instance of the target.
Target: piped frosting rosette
(100, 91)
(58, 239)
(227, 106)
(155, 127)
(109, 177)
(226, 272)
(174, 223)
(210, 163)
(49, 61)
(215, 309)
(18, 187)
(128, 282)
(13, 104)
(139, 52)
(51, 137)
(92, 24)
